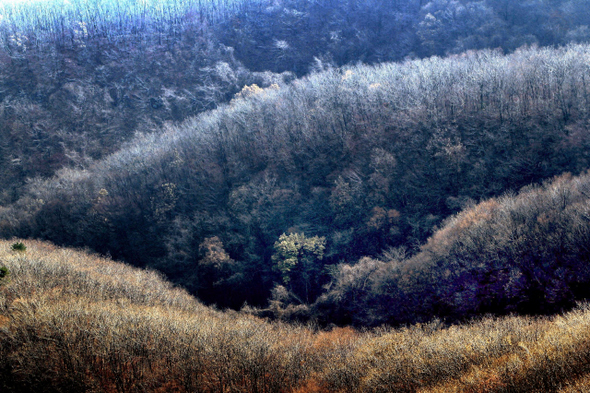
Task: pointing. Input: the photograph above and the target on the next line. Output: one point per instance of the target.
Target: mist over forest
(321, 161)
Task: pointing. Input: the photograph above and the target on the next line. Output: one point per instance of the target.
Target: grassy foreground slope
(70, 321)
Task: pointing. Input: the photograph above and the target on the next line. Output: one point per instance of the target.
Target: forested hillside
(525, 253)
(79, 78)
(294, 34)
(419, 170)
(72, 322)
(271, 153)
(270, 192)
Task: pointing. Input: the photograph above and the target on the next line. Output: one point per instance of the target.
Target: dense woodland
(79, 78)
(350, 162)
(270, 175)
(271, 192)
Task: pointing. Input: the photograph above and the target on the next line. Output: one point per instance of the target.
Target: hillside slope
(71, 322)
(78, 78)
(364, 158)
(525, 253)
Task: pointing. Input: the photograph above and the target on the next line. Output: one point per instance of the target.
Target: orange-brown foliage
(75, 322)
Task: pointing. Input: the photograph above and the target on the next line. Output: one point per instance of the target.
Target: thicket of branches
(368, 159)
(525, 253)
(72, 322)
(294, 34)
(79, 78)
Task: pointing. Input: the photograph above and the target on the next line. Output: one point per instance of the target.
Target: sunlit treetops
(28, 22)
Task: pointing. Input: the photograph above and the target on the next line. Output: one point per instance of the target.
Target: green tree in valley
(297, 258)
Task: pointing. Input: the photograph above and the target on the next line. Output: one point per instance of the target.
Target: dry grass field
(71, 322)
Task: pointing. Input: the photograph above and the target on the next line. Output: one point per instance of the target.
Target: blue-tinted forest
(348, 162)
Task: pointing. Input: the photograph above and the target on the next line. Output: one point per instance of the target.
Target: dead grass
(71, 321)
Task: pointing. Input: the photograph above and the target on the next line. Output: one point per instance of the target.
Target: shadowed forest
(417, 170)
